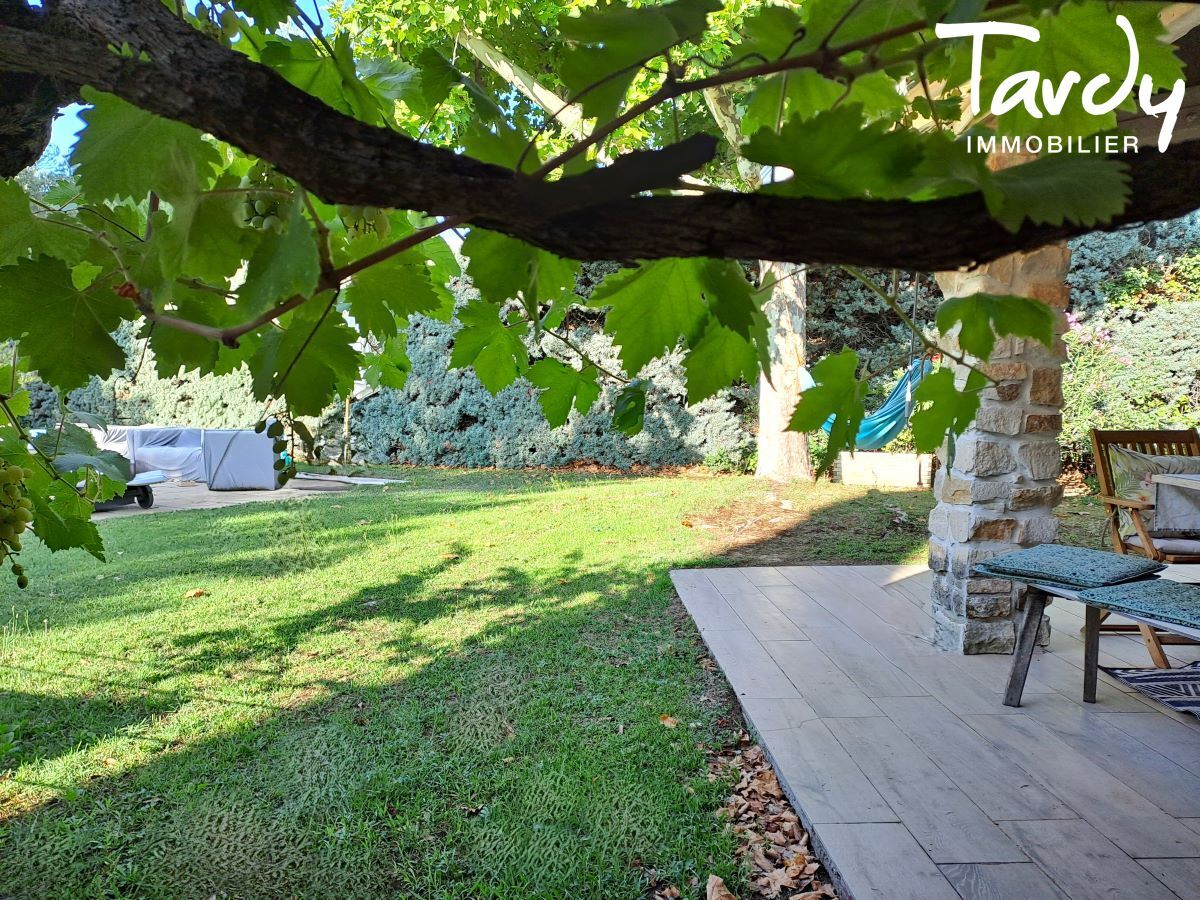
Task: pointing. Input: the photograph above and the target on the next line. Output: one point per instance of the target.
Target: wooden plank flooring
(913, 778)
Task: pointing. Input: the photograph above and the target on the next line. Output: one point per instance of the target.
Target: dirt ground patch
(825, 523)
(819, 523)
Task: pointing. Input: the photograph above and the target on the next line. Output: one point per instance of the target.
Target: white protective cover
(239, 460)
(113, 437)
(174, 451)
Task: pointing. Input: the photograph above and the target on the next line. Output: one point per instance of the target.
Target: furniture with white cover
(239, 460)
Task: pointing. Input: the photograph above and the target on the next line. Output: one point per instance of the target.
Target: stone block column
(997, 487)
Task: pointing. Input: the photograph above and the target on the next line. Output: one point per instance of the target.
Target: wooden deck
(912, 777)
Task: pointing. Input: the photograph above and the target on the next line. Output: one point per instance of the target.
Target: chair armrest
(1126, 504)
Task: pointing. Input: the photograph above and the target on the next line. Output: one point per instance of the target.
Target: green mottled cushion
(1069, 567)
(1167, 601)
(1133, 473)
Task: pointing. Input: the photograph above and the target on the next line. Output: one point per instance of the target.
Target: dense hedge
(1134, 337)
(446, 417)
(139, 394)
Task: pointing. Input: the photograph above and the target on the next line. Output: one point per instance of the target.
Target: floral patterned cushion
(1132, 472)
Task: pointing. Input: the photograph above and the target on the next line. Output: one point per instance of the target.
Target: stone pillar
(997, 490)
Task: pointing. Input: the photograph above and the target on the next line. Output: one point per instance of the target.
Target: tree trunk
(782, 454)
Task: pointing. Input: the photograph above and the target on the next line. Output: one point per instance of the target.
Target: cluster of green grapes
(285, 467)
(265, 208)
(16, 512)
(365, 218)
(222, 26)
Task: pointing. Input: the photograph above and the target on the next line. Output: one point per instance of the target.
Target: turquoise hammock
(882, 426)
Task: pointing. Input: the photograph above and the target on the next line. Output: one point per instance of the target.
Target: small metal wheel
(145, 498)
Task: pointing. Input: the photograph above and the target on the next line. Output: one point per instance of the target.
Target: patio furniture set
(223, 459)
(1150, 487)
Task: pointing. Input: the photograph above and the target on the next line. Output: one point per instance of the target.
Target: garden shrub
(138, 395)
(446, 417)
(1133, 340)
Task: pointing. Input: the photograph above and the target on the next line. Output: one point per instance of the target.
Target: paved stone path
(177, 495)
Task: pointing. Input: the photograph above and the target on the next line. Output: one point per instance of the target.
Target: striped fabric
(1176, 688)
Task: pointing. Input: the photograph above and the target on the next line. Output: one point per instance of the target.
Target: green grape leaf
(391, 367)
(942, 408)
(653, 306)
(1059, 187)
(267, 14)
(607, 44)
(63, 332)
(501, 145)
(437, 252)
(769, 34)
(439, 78)
(62, 519)
(629, 409)
(503, 268)
(838, 394)
(127, 152)
(839, 22)
(332, 79)
(493, 349)
(73, 448)
(384, 295)
(309, 361)
(803, 93)
(19, 402)
(836, 154)
(984, 317)
(391, 79)
(563, 386)
(213, 239)
(175, 349)
(22, 233)
(17, 231)
(285, 264)
(718, 359)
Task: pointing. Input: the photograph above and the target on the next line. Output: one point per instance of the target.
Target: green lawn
(452, 688)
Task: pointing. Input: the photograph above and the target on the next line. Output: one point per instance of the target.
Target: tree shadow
(253, 540)
(513, 750)
(861, 526)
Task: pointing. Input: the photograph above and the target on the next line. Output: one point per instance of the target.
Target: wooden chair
(1157, 443)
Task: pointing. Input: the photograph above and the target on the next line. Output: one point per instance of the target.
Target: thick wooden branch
(931, 236)
(28, 101)
(599, 215)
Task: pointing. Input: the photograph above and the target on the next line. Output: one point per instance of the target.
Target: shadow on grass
(517, 752)
(246, 541)
(826, 524)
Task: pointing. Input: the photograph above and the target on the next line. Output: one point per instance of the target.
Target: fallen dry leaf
(194, 593)
(768, 831)
(776, 881)
(669, 721)
(450, 556)
(687, 523)
(717, 889)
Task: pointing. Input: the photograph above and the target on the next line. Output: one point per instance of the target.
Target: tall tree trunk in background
(782, 454)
